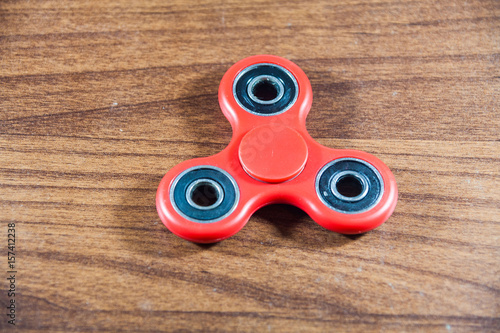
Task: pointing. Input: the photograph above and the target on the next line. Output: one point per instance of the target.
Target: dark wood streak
(300, 61)
(442, 218)
(93, 175)
(75, 205)
(435, 241)
(267, 315)
(152, 69)
(472, 158)
(54, 116)
(365, 318)
(133, 140)
(440, 198)
(79, 188)
(91, 153)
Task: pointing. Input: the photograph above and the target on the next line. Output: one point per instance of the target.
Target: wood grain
(99, 99)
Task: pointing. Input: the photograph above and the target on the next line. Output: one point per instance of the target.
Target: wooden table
(99, 99)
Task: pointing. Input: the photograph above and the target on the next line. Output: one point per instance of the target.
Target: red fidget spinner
(272, 159)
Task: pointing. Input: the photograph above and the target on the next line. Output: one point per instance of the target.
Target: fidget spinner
(272, 159)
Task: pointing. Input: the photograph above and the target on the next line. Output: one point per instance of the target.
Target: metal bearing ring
(204, 194)
(265, 89)
(349, 185)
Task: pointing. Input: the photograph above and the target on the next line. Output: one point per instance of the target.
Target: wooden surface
(99, 99)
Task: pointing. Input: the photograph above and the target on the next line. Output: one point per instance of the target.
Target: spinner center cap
(273, 154)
